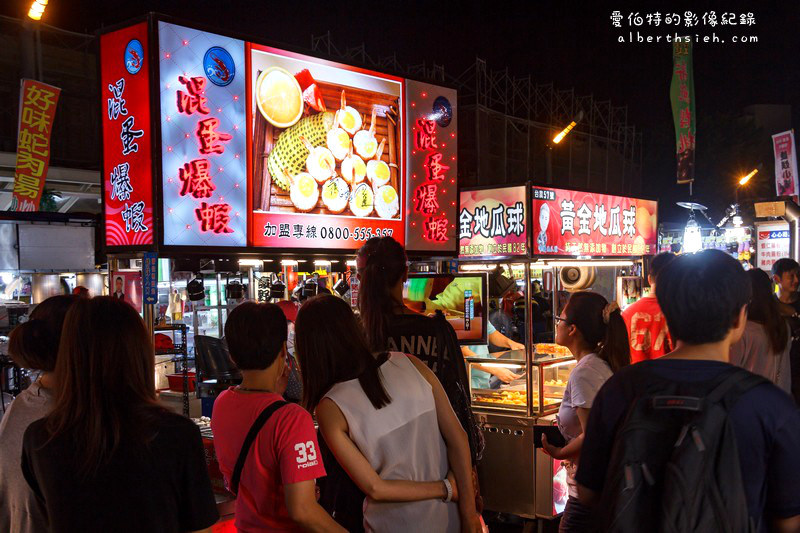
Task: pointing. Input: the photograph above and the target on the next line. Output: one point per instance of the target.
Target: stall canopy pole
(528, 333)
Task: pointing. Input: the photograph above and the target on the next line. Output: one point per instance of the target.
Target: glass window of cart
(497, 370)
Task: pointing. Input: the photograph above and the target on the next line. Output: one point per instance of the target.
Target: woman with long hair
(593, 330)
(108, 457)
(390, 325)
(387, 421)
(765, 345)
(32, 345)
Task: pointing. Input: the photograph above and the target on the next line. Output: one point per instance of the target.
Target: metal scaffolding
(507, 123)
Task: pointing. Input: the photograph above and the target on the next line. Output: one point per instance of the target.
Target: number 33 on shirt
(306, 454)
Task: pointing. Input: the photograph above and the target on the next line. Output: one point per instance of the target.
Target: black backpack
(674, 465)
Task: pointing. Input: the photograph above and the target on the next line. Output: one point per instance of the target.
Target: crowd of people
(661, 430)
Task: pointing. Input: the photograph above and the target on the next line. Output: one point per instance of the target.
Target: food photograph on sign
(581, 223)
(327, 141)
(493, 222)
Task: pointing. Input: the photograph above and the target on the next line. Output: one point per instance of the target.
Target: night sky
(572, 44)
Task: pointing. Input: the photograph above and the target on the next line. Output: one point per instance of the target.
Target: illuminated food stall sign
(327, 146)
(773, 243)
(432, 167)
(590, 224)
(203, 137)
(493, 222)
(127, 137)
(265, 148)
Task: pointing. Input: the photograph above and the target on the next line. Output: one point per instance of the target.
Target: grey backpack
(675, 466)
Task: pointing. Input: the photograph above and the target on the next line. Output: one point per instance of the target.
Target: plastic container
(176, 382)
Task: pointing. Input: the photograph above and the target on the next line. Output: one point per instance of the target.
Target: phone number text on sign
(302, 232)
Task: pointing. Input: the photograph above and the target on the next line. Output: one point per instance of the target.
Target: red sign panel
(37, 110)
(326, 152)
(493, 222)
(432, 168)
(127, 155)
(589, 224)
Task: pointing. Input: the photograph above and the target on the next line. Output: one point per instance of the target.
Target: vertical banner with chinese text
(150, 278)
(785, 164)
(432, 168)
(681, 95)
(127, 136)
(203, 136)
(37, 110)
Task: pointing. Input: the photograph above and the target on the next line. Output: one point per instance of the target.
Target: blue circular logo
(219, 66)
(134, 56)
(443, 111)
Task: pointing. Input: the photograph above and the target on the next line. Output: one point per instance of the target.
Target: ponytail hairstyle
(765, 310)
(382, 264)
(602, 327)
(34, 344)
(331, 348)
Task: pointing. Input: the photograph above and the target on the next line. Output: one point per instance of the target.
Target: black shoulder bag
(248, 443)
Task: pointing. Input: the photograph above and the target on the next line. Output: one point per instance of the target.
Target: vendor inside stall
(490, 376)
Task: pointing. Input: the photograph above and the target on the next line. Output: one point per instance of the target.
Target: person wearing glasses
(593, 330)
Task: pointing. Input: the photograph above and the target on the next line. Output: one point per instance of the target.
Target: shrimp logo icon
(219, 66)
(134, 56)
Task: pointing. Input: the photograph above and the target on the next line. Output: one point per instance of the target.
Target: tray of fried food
(555, 387)
(546, 349)
(501, 397)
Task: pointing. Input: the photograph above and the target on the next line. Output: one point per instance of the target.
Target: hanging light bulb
(692, 240)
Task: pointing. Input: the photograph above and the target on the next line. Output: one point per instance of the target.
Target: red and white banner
(785, 164)
(37, 110)
(589, 224)
(127, 146)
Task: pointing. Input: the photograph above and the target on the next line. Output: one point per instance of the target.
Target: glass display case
(550, 368)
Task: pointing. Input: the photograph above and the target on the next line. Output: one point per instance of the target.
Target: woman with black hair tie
(593, 330)
(390, 325)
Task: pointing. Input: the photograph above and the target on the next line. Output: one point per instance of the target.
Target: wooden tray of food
(268, 193)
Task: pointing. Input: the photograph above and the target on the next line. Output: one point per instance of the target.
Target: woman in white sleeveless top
(388, 422)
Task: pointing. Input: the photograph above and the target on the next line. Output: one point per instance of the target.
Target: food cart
(539, 244)
(235, 163)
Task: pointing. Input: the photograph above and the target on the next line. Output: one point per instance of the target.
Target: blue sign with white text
(150, 278)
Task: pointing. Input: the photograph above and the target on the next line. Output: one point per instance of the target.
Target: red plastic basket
(176, 381)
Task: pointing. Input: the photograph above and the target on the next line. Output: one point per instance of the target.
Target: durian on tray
(324, 148)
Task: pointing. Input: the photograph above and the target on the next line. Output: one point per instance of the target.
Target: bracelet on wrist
(449, 488)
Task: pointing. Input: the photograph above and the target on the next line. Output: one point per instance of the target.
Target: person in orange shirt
(647, 327)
